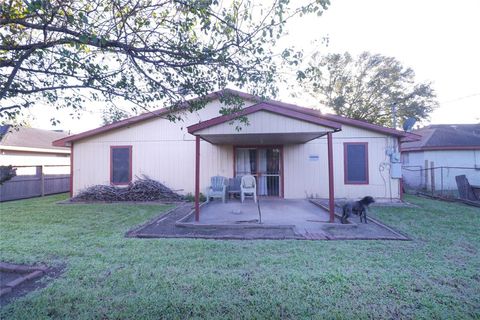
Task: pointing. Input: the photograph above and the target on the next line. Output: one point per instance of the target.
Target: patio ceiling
(262, 138)
(266, 124)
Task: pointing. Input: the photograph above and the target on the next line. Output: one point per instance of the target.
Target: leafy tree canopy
(367, 86)
(113, 114)
(147, 52)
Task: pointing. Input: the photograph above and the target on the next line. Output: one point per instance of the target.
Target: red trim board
(71, 170)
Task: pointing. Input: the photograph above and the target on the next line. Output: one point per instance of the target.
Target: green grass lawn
(107, 276)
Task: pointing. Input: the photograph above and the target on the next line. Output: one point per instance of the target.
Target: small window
(356, 163)
(121, 164)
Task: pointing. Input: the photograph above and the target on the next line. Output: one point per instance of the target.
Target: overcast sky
(439, 40)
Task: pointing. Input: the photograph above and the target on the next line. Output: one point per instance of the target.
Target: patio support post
(71, 169)
(197, 178)
(331, 193)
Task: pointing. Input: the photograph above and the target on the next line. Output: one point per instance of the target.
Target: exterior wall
(454, 163)
(161, 149)
(306, 178)
(265, 122)
(57, 163)
(166, 152)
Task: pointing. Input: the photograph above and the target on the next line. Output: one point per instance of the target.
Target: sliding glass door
(265, 164)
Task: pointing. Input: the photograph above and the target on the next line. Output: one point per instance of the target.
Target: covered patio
(268, 125)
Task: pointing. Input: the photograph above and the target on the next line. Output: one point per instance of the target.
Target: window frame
(130, 165)
(345, 164)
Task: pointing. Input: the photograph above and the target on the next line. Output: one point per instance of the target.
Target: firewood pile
(144, 189)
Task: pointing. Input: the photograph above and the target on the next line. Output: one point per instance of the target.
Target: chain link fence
(437, 181)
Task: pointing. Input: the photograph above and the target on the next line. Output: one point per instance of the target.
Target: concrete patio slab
(274, 212)
(281, 219)
(302, 216)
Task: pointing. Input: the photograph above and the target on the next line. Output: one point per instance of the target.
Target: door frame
(259, 146)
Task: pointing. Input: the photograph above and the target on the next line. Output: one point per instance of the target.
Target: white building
(451, 150)
(284, 146)
(28, 148)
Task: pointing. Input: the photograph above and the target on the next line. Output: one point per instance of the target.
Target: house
(28, 148)
(41, 168)
(294, 152)
(450, 149)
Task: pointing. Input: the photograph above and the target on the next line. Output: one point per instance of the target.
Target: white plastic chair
(248, 187)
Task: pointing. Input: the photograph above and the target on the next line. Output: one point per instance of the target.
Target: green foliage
(191, 198)
(113, 114)
(7, 173)
(106, 275)
(148, 52)
(366, 87)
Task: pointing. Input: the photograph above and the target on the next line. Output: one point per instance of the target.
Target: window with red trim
(356, 162)
(120, 164)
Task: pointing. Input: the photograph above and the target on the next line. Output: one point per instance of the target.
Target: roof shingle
(30, 137)
(446, 136)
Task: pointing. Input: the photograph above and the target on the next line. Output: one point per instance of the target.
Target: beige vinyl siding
(161, 149)
(304, 177)
(265, 122)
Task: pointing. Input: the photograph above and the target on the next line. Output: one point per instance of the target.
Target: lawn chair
(217, 189)
(248, 187)
(233, 187)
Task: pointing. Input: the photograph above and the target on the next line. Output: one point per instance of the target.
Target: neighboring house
(27, 148)
(284, 145)
(453, 149)
(41, 168)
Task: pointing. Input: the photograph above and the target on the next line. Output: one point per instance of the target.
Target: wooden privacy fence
(34, 185)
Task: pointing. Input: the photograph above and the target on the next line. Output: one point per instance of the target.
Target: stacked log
(142, 189)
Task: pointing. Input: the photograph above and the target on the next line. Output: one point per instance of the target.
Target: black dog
(357, 207)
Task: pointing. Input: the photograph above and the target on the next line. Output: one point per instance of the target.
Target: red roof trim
(264, 106)
(332, 117)
(246, 96)
(365, 125)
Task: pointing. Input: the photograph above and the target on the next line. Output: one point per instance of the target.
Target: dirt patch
(18, 280)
